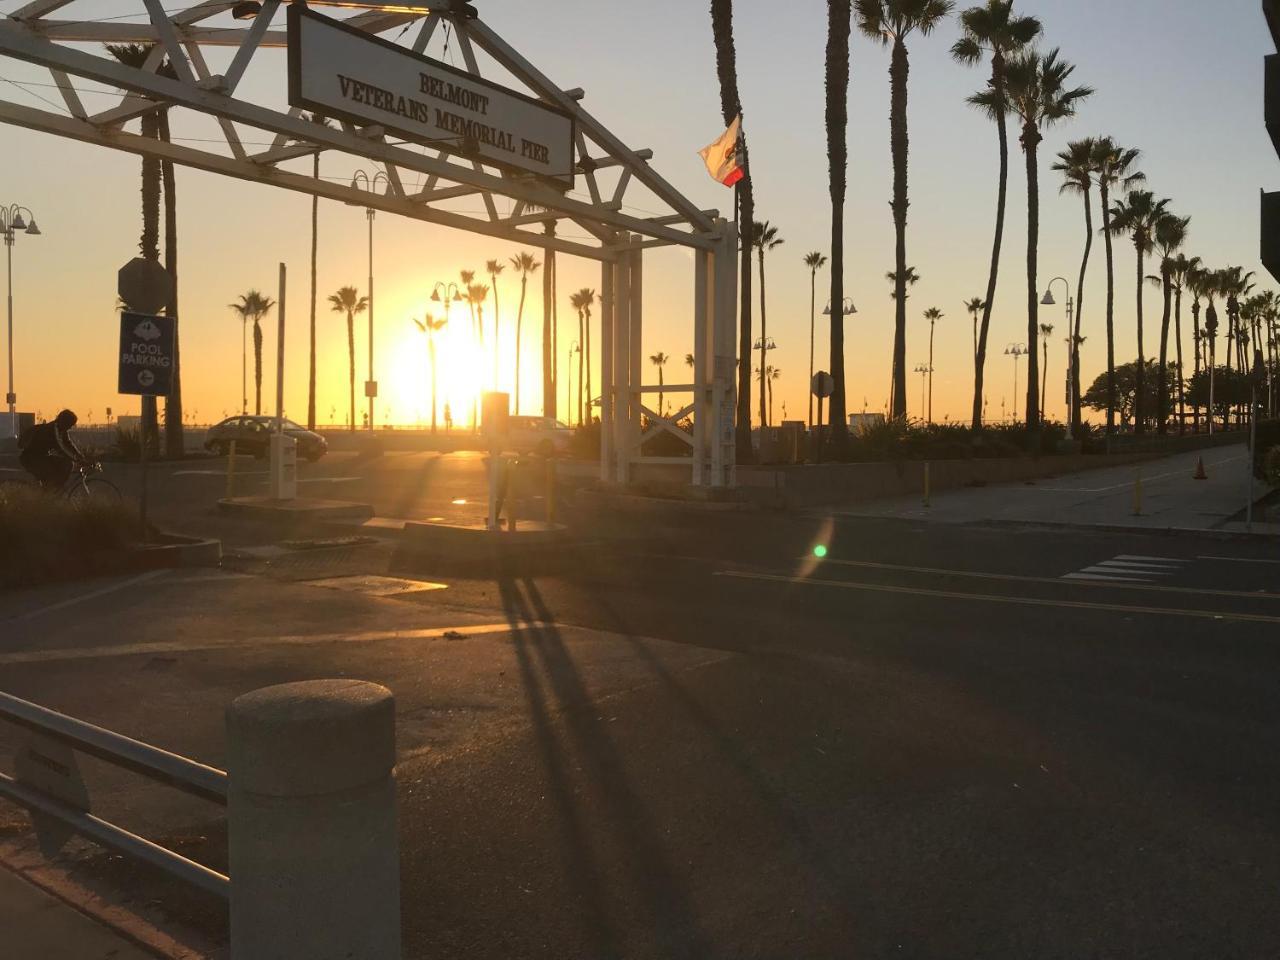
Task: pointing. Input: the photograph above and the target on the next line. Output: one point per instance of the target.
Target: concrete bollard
(311, 815)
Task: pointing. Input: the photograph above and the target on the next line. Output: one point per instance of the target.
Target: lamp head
(1048, 300)
(246, 10)
(852, 309)
(435, 295)
(826, 311)
(18, 223)
(32, 229)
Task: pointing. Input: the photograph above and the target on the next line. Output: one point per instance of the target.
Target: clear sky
(1181, 80)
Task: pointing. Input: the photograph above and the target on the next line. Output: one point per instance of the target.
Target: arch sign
(339, 71)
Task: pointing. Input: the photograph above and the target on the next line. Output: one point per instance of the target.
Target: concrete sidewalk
(37, 924)
(1170, 498)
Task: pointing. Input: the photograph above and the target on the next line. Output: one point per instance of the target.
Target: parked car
(253, 436)
(541, 435)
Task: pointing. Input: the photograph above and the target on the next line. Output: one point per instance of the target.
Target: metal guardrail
(170, 769)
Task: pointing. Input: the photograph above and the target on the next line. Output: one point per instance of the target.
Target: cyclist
(49, 453)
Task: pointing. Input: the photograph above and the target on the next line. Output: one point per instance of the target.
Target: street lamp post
(764, 345)
(362, 181)
(452, 295)
(847, 309)
(1017, 351)
(1072, 347)
(11, 221)
(924, 370)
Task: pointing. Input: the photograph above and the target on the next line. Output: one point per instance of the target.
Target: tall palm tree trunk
(548, 346)
(1002, 194)
(899, 68)
(1162, 388)
(1196, 338)
(813, 306)
(1044, 378)
(311, 370)
(588, 349)
(257, 366)
(1030, 143)
(173, 442)
(1076, 423)
(1139, 377)
(764, 345)
(1111, 303)
(581, 338)
(1177, 322)
(150, 248)
(497, 326)
(524, 284)
(839, 24)
(351, 367)
(431, 348)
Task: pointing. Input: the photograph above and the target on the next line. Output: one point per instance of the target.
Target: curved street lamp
(1072, 349)
(11, 221)
(361, 180)
(924, 370)
(847, 308)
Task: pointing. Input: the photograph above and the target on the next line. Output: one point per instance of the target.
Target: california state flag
(721, 157)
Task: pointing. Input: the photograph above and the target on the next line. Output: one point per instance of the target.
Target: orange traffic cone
(1199, 474)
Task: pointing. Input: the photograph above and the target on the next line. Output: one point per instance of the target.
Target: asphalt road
(698, 740)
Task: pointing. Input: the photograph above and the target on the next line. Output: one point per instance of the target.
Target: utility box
(284, 467)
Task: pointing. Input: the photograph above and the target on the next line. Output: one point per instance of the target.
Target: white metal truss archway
(424, 178)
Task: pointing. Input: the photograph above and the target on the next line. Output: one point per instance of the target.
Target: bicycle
(83, 484)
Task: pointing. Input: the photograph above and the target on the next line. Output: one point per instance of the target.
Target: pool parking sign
(146, 354)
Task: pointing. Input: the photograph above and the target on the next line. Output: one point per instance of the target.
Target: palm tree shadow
(571, 739)
(413, 489)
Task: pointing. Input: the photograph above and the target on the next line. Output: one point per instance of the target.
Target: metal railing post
(314, 849)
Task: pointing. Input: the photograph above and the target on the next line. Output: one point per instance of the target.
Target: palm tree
(254, 306)
(773, 374)
(1077, 164)
(659, 360)
(1038, 94)
(909, 279)
(1046, 330)
(1179, 275)
(1114, 167)
(315, 239)
(1199, 284)
(136, 55)
(974, 307)
(431, 327)
(1137, 215)
(174, 446)
(689, 361)
(836, 82)
(744, 194)
(995, 30)
(891, 22)
(933, 315)
(348, 300)
(493, 268)
(578, 303)
(476, 294)
(1169, 235)
(764, 237)
(525, 264)
(815, 261)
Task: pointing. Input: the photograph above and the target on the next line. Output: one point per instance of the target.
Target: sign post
(823, 385)
(145, 368)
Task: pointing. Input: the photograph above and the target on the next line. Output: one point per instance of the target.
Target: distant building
(860, 423)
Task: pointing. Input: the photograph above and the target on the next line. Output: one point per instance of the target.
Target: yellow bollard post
(231, 471)
(926, 483)
(1137, 493)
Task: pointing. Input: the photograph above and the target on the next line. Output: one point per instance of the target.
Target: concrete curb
(295, 512)
(636, 503)
(177, 550)
(1208, 534)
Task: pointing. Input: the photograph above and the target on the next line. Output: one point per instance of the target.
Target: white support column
(608, 437)
(635, 323)
(703, 300)
(622, 367)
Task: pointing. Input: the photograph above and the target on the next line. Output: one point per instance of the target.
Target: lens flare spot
(820, 551)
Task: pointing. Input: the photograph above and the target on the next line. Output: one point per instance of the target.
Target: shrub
(1267, 441)
(49, 538)
(1271, 467)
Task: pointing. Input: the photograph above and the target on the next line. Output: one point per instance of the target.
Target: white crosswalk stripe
(1130, 568)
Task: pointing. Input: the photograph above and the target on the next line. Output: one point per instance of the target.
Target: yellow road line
(1059, 581)
(996, 598)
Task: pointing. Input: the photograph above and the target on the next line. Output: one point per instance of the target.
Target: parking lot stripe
(91, 595)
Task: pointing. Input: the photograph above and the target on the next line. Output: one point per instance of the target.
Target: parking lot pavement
(1169, 496)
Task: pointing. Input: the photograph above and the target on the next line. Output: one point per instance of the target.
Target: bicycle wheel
(97, 490)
